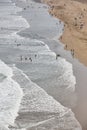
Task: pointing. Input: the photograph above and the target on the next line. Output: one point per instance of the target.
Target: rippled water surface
(33, 79)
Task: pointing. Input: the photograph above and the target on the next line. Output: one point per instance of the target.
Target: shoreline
(64, 121)
(45, 36)
(75, 26)
(79, 36)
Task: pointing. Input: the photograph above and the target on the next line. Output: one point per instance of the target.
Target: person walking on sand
(24, 8)
(72, 52)
(66, 46)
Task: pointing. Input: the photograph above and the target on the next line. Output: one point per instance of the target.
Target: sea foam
(38, 105)
(36, 99)
(10, 96)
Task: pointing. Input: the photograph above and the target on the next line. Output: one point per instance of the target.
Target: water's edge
(36, 99)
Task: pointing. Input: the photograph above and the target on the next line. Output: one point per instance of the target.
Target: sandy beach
(46, 32)
(49, 75)
(41, 83)
(74, 15)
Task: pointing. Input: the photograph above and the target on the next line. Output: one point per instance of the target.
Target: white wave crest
(10, 97)
(36, 100)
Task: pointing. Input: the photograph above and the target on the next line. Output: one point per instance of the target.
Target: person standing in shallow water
(25, 58)
(30, 59)
(57, 55)
(35, 55)
(72, 52)
(21, 58)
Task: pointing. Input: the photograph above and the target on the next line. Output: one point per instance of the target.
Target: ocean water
(10, 96)
(34, 82)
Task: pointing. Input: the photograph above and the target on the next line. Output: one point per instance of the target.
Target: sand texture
(74, 15)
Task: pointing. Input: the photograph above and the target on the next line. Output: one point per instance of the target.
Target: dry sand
(74, 14)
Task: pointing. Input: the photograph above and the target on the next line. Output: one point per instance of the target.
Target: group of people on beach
(81, 20)
(57, 55)
(22, 58)
(33, 7)
(72, 51)
(26, 58)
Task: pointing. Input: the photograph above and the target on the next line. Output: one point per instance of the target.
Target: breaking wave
(30, 95)
(10, 96)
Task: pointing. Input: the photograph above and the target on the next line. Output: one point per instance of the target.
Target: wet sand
(17, 51)
(74, 14)
(80, 70)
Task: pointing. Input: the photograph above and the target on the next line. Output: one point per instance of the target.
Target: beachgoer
(72, 52)
(21, 58)
(66, 46)
(18, 44)
(35, 55)
(24, 8)
(57, 55)
(25, 58)
(30, 59)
